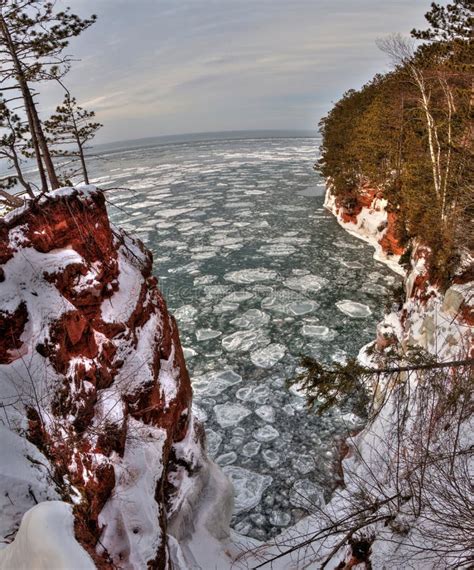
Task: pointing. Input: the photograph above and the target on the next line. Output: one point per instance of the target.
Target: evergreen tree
(12, 144)
(71, 125)
(33, 36)
(448, 23)
(408, 133)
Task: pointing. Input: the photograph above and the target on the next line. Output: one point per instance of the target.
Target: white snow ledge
(366, 229)
(45, 541)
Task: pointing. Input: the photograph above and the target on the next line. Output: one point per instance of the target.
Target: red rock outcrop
(390, 242)
(81, 307)
(352, 206)
(370, 199)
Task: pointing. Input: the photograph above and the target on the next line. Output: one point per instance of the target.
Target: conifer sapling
(71, 127)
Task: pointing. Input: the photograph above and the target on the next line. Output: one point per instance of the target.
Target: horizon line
(304, 133)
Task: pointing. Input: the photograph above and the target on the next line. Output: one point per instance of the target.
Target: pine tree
(71, 125)
(410, 133)
(448, 23)
(12, 144)
(32, 39)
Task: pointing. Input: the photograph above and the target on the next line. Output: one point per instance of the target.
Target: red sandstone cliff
(428, 314)
(366, 214)
(93, 376)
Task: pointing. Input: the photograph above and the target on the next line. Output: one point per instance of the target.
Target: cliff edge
(96, 397)
(406, 496)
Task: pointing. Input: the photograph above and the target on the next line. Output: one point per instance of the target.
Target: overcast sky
(160, 67)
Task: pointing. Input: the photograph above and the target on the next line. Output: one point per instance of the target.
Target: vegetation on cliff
(33, 38)
(407, 136)
(409, 133)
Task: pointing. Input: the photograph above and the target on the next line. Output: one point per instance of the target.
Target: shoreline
(367, 236)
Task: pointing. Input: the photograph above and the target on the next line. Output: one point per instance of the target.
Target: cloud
(153, 67)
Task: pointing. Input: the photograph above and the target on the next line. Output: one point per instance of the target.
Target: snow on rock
(380, 460)
(46, 540)
(119, 307)
(201, 507)
(96, 396)
(368, 219)
(129, 517)
(24, 479)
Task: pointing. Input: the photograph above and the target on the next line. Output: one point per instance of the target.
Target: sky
(162, 67)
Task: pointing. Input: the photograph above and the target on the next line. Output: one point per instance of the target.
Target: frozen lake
(257, 274)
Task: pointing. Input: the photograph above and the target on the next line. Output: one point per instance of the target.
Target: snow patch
(45, 540)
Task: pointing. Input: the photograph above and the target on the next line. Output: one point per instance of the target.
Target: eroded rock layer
(92, 379)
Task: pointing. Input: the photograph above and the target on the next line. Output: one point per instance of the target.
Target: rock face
(427, 314)
(93, 379)
(367, 216)
(385, 460)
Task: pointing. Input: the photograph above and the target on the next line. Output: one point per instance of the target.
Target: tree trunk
(19, 173)
(53, 179)
(37, 136)
(83, 163)
(10, 199)
(80, 147)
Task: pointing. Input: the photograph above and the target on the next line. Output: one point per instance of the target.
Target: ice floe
(245, 393)
(307, 495)
(242, 341)
(352, 264)
(266, 434)
(226, 458)
(228, 415)
(271, 458)
(207, 334)
(246, 276)
(189, 352)
(238, 296)
(251, 448)
(185, 313)
(306, 283)
(173, 212)
(213, 441)
(260, 394)
(353, 309)
(299, 308)
(268, 356)
(224, 307)
(251, 319)
(274, 303)
(277, 249)
(318, 331)
(267, 413)
(304, 464)
(248, 485)
(280, 518)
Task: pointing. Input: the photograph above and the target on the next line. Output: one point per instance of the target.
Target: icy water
(257, 274)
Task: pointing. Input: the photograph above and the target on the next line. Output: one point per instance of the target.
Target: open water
(257, 274)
